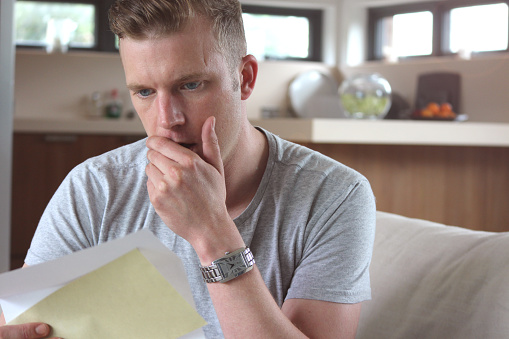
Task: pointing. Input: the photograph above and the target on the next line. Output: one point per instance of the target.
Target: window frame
(440, 11)
(104, 38)
(315, 18)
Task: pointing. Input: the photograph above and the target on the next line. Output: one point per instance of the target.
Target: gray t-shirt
(310, 226)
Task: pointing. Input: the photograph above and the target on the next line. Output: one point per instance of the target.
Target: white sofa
(435, 281)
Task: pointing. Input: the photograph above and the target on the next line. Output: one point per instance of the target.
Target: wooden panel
(462, 186)
(40, 163)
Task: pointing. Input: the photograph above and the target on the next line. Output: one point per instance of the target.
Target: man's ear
(248, 72)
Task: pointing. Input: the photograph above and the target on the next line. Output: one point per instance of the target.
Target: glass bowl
(365, 96)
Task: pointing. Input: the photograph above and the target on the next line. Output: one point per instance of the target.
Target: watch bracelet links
(212, 274)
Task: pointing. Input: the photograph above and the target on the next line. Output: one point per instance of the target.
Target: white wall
(484, 84)
(59, 84)
(483, 78)
(6, 112)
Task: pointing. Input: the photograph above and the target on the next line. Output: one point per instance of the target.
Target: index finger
(169, 148)
(211, 149)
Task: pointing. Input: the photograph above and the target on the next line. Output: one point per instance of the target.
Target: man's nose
(170, 113)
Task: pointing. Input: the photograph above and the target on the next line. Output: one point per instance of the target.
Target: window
(401, 41)
(438, 28)
(80, 24)
(39, 22)
(276, 33)
(283, 33)
(489, 33)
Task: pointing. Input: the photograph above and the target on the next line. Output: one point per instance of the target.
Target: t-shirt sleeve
(337, 254)
(66, 225)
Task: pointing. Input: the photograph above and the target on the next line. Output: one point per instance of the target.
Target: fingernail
(214, 124)
(42, 329)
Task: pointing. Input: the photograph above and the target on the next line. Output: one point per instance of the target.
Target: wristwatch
(228, 267)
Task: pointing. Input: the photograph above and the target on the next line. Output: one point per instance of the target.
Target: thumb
(30, 330)
(211, 150)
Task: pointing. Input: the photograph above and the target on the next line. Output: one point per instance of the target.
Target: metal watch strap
(226, 268)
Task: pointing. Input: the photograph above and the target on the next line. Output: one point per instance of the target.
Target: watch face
(228, 267)
(232, 266)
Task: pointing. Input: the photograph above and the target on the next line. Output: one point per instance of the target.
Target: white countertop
(390, 132)
(341, 131)
(78, 125)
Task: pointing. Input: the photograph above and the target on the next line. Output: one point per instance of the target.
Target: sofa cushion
(435, 281)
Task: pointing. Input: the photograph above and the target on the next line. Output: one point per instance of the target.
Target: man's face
(177, 82)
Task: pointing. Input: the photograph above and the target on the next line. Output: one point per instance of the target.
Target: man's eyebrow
(191, 76)
(184, 78)
(135, 87)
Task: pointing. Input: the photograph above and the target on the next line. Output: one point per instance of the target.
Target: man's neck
(244, 174)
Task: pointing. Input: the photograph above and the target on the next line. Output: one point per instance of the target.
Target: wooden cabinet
(40, 163)
(464, 186)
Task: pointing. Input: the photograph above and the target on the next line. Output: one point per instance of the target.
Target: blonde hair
(144, 19)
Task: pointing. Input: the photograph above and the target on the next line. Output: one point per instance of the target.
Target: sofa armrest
(435, 281)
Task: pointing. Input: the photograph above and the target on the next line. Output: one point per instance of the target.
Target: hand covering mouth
(188, 146)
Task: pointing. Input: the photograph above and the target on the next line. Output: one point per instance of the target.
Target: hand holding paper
(126, 298)
(26, 331)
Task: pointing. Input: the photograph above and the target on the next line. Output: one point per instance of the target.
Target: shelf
(78, 126)
(340, 131)
(389, 132)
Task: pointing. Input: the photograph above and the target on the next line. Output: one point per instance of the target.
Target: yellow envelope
(126, 298)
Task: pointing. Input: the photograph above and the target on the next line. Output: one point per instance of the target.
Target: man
(206, 183)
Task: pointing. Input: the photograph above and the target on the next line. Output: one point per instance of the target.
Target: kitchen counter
(78, 126)
(390, 132)
(424, 169)
(340, 131)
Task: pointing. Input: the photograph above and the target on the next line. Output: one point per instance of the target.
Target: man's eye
(144, 92)
(192, 85)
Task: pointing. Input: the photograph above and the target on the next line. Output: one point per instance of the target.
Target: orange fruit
(433, 107)
(426, 113)
(446, 107)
